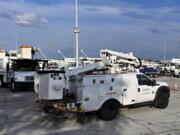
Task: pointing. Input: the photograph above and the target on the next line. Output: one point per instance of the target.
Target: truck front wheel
(161, 101)
(109, 110)
(1, 83)
(13, 87)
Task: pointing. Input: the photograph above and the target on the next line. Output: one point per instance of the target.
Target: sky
(144, 27)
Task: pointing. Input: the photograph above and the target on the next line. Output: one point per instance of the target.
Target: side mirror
(153, 82)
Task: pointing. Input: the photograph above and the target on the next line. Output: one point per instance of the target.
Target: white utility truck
(22, 74)
(103, 87)
(177, 71)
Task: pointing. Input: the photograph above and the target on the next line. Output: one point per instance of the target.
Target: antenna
(77, 31)
(59, 51)
(84, 53)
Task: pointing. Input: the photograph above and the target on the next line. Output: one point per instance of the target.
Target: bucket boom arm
(111, 58)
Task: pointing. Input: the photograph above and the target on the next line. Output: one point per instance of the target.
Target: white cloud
(29, 19)
(101, 10)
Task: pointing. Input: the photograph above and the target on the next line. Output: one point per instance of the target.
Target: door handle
(139, 89)
(125, 90)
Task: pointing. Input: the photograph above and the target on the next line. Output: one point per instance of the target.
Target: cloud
(156, 31)
(30, 19)
(175, 30)
(101, 10)
(9, 14)
(21, 13)
(135, 14)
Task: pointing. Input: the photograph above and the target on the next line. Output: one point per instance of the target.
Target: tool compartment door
(90, 94)
(128, 85)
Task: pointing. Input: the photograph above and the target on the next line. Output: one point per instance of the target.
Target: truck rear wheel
(1, 82)
(13, 87)
(108, 111)
(162, 100)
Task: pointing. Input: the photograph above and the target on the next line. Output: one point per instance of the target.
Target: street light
(77, 31)
(178, 47)
(164, 50)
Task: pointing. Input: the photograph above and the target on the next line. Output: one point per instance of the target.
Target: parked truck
(102, 87)
(22, 74)
(177, 71)
(150, 71)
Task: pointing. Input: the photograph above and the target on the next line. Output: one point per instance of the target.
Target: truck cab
(22, 74)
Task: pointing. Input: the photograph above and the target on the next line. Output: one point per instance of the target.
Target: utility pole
(77, 31)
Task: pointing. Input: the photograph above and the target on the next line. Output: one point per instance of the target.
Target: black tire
(13, 87)
(161, 101)
(1, 83)
(179, 75)
(108, 111)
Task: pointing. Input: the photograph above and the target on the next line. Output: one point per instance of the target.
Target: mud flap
(80, 117)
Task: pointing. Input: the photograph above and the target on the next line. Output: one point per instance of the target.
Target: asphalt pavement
(20, 115)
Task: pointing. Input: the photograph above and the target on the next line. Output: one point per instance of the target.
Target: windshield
(25, 65)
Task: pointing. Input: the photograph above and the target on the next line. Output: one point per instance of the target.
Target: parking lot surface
(20, 115)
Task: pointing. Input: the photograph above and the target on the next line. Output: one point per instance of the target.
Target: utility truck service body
(103, 87)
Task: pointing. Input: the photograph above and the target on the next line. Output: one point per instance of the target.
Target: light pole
(164, 50)
(77, 31)
(138, 45)
(178, 47)
(16, 34)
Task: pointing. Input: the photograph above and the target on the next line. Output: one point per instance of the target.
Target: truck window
(143, 80)
(23, 65)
